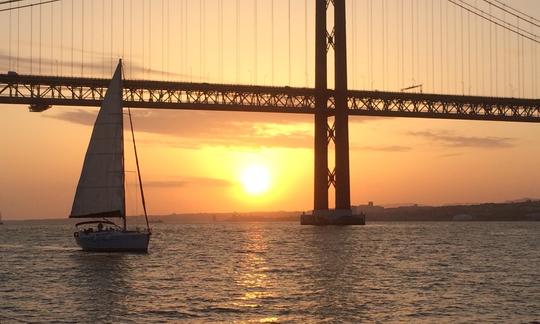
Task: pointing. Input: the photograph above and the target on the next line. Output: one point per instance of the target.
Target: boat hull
(113, 241)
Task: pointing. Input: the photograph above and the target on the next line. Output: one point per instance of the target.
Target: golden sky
(195, 161)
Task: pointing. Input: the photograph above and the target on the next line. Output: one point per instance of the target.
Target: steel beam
(66, 91)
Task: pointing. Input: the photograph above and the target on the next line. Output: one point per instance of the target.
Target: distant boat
(100, 192)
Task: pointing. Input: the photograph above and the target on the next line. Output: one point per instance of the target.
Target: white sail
(100, 192)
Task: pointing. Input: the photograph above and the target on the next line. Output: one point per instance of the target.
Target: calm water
(282, 272)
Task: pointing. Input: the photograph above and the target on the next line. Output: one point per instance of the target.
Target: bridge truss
(42, 92)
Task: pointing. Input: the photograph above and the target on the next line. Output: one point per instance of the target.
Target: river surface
(277, 272)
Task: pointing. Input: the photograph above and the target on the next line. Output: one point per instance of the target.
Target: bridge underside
(43, 91)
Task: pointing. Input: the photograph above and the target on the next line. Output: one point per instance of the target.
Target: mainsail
(100, 192)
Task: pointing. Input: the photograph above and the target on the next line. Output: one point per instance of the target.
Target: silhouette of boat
(100, 192)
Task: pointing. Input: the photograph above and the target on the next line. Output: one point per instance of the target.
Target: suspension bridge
(480, 55)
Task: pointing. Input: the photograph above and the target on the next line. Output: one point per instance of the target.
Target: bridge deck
(42, 91)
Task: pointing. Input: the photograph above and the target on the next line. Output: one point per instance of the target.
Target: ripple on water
(279, 272)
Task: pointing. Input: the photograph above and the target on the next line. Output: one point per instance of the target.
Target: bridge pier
(340, 177)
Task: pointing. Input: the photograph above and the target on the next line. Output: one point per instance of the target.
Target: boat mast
(138, 169)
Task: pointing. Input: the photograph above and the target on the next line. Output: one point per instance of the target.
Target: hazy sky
(192, 161)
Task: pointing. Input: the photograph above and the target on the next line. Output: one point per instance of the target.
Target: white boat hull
(113, 241)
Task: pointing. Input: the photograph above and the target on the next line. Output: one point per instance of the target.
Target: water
(277, 272)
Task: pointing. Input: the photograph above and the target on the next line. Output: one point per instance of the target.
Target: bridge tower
(339, 132)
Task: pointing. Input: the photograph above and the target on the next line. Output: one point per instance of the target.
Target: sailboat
(100, 193)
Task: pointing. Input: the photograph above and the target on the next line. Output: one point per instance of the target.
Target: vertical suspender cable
(19, 37)
(289, 30)
(203, 17)
(306, 67)
(112, 32)
(462, 55)
(237, 65)
(496, 62)
(201, 31)
(272, 38)
(39, 49)
(9, 40)
(123, 29)
(131, 39)
(370, 36)
(32, 42)
(143, 43)
(82, 38)
(412, 41)
(432, 28)
(469, 51)
(162, 39)
(383, 5)
(441, 84)
(402, 79)
(103, 37)
(490, 58)
(255, 47)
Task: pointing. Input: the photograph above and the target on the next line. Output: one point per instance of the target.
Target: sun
(256, 180)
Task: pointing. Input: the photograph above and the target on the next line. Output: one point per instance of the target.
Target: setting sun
(256, 180)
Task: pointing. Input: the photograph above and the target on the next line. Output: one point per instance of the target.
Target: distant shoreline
(528, 210)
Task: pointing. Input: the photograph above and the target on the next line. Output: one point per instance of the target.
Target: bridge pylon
(339, 132)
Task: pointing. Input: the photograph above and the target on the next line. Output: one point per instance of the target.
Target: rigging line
(515, 15)
(29, 5)
(517, 32)
(138, 169)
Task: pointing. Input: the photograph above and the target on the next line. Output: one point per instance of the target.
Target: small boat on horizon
(100, 192)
